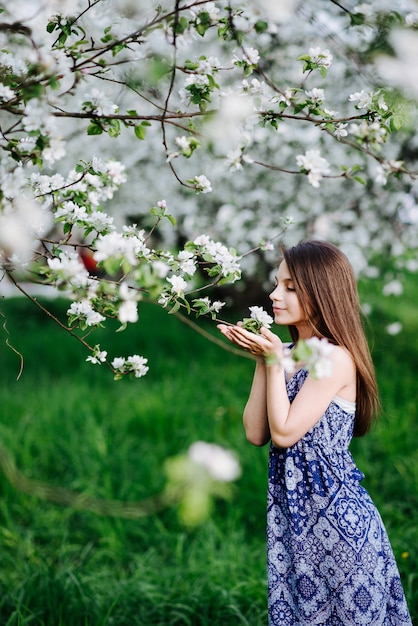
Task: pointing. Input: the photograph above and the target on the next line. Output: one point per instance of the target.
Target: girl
(329, 558)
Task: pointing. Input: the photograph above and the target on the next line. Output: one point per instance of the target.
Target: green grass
(66, 422)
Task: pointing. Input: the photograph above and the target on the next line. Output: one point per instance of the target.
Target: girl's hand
(265, 344)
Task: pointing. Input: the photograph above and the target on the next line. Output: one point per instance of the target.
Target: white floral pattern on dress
(330, 562)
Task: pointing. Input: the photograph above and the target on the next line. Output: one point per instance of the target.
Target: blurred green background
(67, 423)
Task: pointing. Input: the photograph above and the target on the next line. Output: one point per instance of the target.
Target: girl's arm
(255, 412)
(290, 422)
(287, 422)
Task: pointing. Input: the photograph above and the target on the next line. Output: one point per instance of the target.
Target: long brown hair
(327, 290)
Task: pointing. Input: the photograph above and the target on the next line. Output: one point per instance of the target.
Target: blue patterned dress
(329, 558)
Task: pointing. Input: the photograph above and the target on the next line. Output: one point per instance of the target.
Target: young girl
(329, 558)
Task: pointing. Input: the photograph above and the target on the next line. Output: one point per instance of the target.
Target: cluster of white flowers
(236, 115)
(187, 262)
(68, 270)
(91, 189)
(316, 95)
(312, 354)
(235, 159)
(320, 57)
(315, 165)
(373, 133)
(84, 312)
(362, 99)
(72, 213)
(205, 305)
(258, 314)
(134, 364)
(393, 288)
(14, 65)
(128, 246)
(221, 464)
(258, 319)
(208, 65)
(178, 284)
(219, 254)
(97, 102)
(128, 309)
(22, 222)
(195, 84)
(201, 184)
(98, 357)
(208, 8)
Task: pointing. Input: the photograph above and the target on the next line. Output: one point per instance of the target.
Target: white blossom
(118, 362)
(258, 314)
(97, 102)
(138, 364)
(394, 329)
(251, 55)
(202, 184)
(134, 364)
(178, 284)
(187, 262)
(37, 117)
(393, 288)
(55, 151)
(362, 98)
(314, 164)
(220, 463)
(6, 93)
(116, 171)
(84, 310)
(340, 130)
(317, 95)
(128, 312)
(22, 221)
(98, 357)
(68, 268)
(321, 57)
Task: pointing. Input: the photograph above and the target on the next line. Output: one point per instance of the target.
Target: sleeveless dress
(330, 562)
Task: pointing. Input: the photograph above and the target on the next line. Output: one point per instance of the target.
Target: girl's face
(287, 308)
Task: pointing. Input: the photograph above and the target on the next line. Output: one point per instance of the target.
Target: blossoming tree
(244, 117)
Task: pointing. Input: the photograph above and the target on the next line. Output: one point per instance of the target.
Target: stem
(48, 313)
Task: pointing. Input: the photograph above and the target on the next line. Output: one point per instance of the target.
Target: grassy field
(66, 422)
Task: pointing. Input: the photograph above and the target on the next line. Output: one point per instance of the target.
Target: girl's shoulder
(343, 365)
(342, 356)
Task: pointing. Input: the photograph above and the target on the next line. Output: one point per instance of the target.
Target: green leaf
(175, 308)
(299, 107)
(357, 19)
(62, 38)
(261, 26)
(140, 131)
(94, 129)
(114, 128)
(182, 25)
(112, 266)
(51, 26)
(158, 68)
(359, 180)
